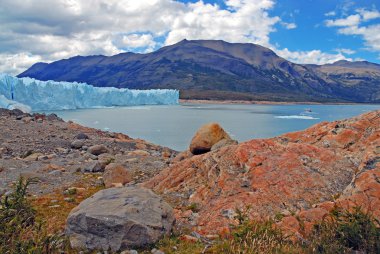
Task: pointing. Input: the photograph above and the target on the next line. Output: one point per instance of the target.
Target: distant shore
(184, 101)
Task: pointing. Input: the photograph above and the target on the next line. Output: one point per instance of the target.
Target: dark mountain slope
(221, 70)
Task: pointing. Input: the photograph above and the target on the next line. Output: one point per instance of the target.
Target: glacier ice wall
(28, 93)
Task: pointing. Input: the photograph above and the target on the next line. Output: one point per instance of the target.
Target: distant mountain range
(209, 69)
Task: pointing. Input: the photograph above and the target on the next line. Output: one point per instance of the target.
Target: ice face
(28, 93)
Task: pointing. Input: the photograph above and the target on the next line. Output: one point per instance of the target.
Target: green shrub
(20, 230)
(344, 231)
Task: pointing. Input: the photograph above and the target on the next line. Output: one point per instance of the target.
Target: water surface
(174, 126)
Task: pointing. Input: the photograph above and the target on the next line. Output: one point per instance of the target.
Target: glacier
(28, 94)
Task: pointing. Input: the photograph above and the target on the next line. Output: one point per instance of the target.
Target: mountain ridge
(208, 69)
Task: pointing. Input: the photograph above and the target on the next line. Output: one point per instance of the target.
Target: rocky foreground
(296, 178)
(64, 154)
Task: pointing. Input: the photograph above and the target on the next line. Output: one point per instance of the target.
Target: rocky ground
(296, 178)
(63, 154)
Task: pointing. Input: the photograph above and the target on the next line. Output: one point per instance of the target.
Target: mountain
(208, 69)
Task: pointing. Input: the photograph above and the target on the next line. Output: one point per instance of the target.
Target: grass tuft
(345, 231)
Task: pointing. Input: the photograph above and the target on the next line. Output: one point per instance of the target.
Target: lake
(174, 126)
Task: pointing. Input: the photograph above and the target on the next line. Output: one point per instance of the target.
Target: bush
(344, 231)
(251, 237)
(20, 230)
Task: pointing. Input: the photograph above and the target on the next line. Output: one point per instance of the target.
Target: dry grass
(55, 209)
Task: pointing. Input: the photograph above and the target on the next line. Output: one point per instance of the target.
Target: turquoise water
(174, 126)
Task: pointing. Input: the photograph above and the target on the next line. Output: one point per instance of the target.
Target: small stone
(97, 149)
(94, 167)
(129, 252)
(70, 200)
(55, 172)
(139, 153)
(42, 158)
(77, 144)
(116, 185)
(189, 238)
(212, 237)
(81, 136)
(54, 206)
(155, 251)
(33, 157)
(51, 156)
(27, 119)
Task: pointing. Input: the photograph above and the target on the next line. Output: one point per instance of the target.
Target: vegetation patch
(20, 229)
(35, 227)
(345, 231)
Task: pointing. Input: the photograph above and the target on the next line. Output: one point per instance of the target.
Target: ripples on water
(174, 126)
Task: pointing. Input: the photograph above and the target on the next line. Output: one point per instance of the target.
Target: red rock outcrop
(300, 172)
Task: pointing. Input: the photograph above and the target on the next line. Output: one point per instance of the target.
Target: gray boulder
(119, 218)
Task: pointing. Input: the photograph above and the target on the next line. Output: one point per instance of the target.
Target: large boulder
(207, 136)
(119, 218)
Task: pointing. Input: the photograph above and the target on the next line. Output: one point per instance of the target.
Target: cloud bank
(45, 30)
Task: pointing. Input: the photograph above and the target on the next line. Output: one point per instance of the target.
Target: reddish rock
(299, 172)
(207, 136)
(116, 175)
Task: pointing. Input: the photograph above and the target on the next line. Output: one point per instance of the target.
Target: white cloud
(330, 14)
(244, 21)
(368, 15)
(289, 25)
(16, 62)
(355, 25)
(138, 41)
(311, 57)
(370, 34)
(351, 20)
(345, 51)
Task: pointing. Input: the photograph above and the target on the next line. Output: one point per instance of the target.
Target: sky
(302, 31)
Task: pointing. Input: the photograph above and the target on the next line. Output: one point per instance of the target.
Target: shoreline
(184, 101)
